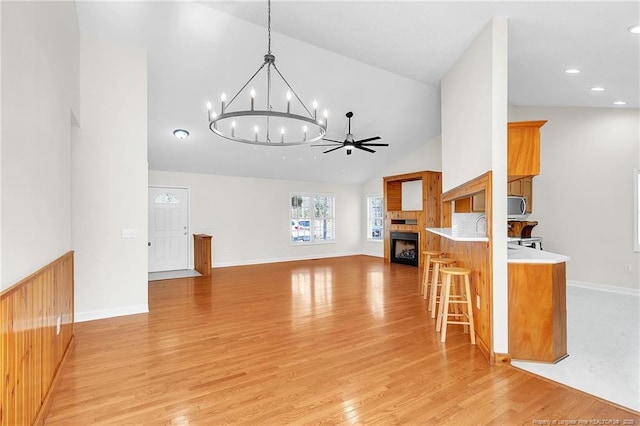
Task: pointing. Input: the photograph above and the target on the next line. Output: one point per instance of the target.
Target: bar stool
(435, 282)
(457, 298)
(427, 269)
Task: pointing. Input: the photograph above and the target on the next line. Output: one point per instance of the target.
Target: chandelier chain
(269, 26)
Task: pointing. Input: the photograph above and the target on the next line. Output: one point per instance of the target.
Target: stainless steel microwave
(516, 208)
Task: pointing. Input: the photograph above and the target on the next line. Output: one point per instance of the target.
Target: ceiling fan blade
(363, 148)
(375, 144)
(328, 144)
(331, 140)
(375, 138)
(332, 149)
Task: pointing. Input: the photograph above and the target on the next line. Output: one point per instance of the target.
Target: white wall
(39, 91)
(427, 157)
(249, 218)
(2, 286)
(474, 141)
(467, 108)
(582, 198)
(109, 171)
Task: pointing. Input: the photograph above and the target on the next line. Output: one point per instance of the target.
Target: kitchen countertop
(520, 254)
(458, 236)
(515, 253)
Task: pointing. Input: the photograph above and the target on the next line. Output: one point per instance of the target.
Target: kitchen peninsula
(537, 304)
(537, 295)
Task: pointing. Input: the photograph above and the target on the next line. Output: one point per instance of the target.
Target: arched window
(166, 199)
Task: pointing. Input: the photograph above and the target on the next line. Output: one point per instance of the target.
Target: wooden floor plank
(337, 341)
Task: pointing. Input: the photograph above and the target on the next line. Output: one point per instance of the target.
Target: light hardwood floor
(344, 340)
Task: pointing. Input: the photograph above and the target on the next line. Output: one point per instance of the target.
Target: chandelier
(293, 124)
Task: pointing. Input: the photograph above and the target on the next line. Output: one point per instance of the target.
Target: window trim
(312, 241)
(368, 219)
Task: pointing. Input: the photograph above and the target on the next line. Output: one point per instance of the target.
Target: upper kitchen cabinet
(523, 149)
(522, 188)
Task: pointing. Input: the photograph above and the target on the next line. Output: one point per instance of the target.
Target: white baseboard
(282, 259)
(602, 287)
(110, 313)
(372, 253)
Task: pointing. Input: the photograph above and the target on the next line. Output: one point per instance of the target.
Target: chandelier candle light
(255, 126)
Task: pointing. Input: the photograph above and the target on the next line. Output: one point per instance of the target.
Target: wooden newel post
(202, 253)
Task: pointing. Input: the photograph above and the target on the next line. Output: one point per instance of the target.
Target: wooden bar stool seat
(456, 296)
(426, 271)
(436, 296)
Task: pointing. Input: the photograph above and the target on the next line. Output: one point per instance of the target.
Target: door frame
(189, 246)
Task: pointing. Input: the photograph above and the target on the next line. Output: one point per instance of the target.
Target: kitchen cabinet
(527, 192)
(537, 311)
(515, 188)
(474, 204)
(522, 188)
(523, 149)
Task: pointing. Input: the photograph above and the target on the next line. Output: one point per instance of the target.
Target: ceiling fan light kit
(350, 142)
(258, 126)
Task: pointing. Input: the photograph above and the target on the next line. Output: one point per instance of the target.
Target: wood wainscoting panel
(476, 256)
(31, 346)
(473, 255)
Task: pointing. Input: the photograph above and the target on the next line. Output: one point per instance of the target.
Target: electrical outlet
(478, 301)
(58, 325)
(627, 268)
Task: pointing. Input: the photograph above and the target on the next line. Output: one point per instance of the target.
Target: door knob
(149, 243)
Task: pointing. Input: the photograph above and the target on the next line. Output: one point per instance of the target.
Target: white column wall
(109, 169)
(249, 218)
(39, 91)
(474, 141)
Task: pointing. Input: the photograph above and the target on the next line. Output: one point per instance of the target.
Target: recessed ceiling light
(634, 29)
(572, 71)
(181, 134)
(619, 103)
(597, 89)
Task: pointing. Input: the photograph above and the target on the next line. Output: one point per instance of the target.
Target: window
(312, 218)
(375, 218)
(166, 199)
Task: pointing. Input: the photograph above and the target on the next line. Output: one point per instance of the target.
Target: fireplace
(405, 248)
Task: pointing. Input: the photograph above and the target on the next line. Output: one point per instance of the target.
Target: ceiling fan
(350, 142)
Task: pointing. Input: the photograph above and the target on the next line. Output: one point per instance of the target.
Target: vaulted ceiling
(383, 60)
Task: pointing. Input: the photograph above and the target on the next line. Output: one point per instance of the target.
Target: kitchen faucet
(482, 216)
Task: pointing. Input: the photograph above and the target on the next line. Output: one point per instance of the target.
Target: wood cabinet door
(515, 188)
(527, 192)
(477, 203)
(523, 148)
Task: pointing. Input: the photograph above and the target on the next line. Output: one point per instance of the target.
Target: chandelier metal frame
(317, 125)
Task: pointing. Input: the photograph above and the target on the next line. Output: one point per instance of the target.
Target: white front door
(168, 228)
